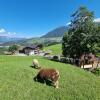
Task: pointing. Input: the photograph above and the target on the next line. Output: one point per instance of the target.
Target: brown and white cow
(50, 76)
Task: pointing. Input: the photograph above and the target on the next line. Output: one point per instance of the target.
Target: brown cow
(87, 59)
(48, 76)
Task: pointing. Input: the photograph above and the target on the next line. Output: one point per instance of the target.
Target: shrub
(63, 60)
(56, 58)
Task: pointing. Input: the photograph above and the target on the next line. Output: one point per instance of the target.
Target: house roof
(31, 47)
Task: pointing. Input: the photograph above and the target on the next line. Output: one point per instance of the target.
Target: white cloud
(68, 23)
(14, 33)
(97, 20)
(11, 33)
(3, 32)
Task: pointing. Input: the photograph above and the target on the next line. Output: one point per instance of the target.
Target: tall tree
(82, 34)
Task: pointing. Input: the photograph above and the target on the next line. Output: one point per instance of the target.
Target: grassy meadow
(56, 49)
(16, 81)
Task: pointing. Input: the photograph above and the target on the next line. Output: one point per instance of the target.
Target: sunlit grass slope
(16, 81)
(56, 49)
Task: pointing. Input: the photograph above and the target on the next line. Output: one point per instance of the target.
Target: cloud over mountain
(4, 32)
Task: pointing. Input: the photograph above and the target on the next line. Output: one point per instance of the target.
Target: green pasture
(16, 81)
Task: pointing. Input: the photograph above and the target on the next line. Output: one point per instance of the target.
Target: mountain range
(52, 36)
(58, 32)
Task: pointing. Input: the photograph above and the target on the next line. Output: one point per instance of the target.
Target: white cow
(36, 64)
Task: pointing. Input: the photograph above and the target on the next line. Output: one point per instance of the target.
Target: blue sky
(32, 18)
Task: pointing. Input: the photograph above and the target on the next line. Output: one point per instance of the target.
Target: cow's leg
(92, 62)
(56, 84)
(35, 78)
(97, 63)
(82, 65)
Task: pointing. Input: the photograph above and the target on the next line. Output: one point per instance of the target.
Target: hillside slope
(16, 81)
(32, 41)
(58, 32)
(56, 49)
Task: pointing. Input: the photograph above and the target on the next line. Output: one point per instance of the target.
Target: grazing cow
(36, 64)
(97, 62)
(87, 59)
(48, 76)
